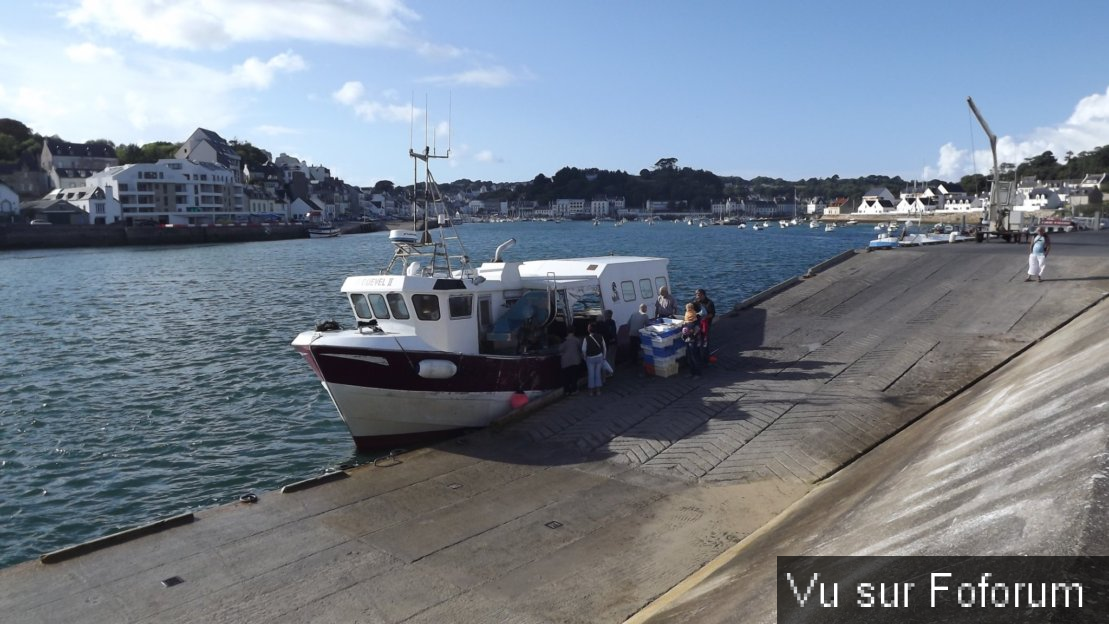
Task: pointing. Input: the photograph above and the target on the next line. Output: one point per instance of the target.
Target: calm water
(138, 383)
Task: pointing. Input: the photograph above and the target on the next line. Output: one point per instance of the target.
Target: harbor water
(142, 382)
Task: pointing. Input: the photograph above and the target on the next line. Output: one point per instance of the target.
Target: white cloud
(1087, 128)
(350, 93)
(91, 53)
(486, 156)
(952, 164)
(260, 74)
(481, 77)
(142, 97)
(207, 24)
(377, 111)
(271, 130)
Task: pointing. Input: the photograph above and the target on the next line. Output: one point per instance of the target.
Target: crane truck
(996, 219)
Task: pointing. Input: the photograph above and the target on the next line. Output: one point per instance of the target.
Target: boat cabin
(508, 308)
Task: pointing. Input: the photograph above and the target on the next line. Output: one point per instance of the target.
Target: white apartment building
(173, 191)
(567, 208)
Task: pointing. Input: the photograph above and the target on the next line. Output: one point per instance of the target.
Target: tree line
(684, 187)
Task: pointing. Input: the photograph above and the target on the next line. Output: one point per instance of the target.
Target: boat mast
(442, 260)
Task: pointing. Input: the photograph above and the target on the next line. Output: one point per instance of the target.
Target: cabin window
(378, 305)
(645, 290)
(380, 308)
(660, 281)
(361, 306)
(427, 307)
(397, 305)
(627, 288)
(461, 306)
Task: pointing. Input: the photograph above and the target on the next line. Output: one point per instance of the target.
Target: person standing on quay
(1037, 255)
(593, 349)
(636, 322)
(708, 313)
(570, 352)
(608, 330)
(691, 334)
(665, 306)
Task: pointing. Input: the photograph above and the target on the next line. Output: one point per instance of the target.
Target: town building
(9, 203)
(69, 164)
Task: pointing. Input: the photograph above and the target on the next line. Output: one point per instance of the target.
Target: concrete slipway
(668, 499)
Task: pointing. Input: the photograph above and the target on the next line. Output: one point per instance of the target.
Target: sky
(786, 89)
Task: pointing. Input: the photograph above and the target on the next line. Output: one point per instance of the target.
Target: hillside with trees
(693, 189)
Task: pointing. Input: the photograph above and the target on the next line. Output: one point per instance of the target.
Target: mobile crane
(997, 214)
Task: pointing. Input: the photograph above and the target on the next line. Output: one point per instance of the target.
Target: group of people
(696, 322)
(597, 348)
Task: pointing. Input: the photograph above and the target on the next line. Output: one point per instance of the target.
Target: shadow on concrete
(1077, 279)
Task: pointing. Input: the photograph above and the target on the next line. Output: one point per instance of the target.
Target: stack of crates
(662, 346)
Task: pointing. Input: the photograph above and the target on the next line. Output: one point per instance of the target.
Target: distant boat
(831, 227)
(324, 230)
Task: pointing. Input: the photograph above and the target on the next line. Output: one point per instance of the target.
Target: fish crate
(661, 340)
(662, 332)
(661, 366)
(666, 370)
(652, 353)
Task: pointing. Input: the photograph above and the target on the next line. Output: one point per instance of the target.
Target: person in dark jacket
(608, 330)
(708, 313)
(593, 350)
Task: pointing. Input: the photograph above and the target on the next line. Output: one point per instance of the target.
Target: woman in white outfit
(1037, 255)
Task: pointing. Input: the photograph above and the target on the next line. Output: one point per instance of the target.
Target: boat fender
(518, 399)
(437, 369)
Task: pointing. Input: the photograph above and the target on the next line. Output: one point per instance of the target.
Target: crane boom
(995, 213)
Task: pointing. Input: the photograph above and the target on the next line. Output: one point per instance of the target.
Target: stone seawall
(57, 236)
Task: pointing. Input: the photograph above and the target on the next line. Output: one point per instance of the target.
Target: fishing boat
(323, 230)
(439, 345)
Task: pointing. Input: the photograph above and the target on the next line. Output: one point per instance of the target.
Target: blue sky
(784, 89)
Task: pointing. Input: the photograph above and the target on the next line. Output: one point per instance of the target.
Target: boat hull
(386, 402)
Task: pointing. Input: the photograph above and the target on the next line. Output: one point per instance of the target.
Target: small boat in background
(324, 230)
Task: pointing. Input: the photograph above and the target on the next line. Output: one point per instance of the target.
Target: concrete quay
(868, 409)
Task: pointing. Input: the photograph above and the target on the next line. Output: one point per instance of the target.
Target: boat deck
(588, 508)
